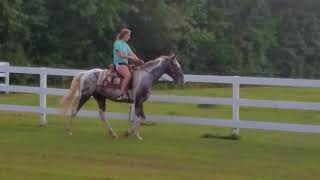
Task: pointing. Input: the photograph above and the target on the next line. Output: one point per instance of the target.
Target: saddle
(110, 78)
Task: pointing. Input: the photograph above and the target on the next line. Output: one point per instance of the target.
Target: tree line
(225, 37)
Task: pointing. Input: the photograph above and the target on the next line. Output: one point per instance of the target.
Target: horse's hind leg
(104, 114)
(81, 101)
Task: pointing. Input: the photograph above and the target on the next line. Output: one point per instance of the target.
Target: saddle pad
(109, 79)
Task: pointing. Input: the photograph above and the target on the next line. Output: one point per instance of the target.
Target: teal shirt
(120, 45)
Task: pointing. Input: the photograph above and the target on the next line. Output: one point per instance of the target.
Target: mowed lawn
(169, 150)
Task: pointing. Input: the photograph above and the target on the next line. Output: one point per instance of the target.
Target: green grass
(169, 150)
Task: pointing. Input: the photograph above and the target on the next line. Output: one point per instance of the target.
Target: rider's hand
(140, 61)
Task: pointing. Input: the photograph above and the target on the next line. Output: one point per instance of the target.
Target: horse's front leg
(137, 128)
(137, 121)
(140, 92)
(134, 121)
(131, 120)
(143, 120)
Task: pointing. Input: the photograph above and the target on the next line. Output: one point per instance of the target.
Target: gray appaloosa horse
(85, 85)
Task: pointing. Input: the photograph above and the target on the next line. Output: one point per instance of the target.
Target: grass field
(169, 150)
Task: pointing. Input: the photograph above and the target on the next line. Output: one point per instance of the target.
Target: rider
(121, 54)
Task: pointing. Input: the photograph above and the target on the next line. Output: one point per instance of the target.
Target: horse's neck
(156, 68)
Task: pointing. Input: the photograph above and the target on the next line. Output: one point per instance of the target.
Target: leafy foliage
(227, 37)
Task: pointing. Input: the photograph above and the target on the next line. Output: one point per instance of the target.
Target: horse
(143, 77)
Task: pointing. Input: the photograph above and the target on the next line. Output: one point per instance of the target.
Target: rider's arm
(131, 56)
(134, 55)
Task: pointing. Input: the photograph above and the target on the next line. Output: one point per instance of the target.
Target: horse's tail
(68, 99)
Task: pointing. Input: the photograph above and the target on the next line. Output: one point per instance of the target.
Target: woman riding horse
(143, 78)
(121, 54)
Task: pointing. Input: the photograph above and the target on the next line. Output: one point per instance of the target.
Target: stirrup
(122, 97)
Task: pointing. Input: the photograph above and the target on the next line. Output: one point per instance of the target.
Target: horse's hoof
(113, 134)
(69, 132)
(126, 134)
(139, 137)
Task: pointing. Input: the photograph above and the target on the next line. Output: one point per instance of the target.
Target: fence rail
(235, 101)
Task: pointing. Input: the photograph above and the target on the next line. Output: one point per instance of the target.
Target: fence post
(7, 74)
(235, 104)
(43, 96)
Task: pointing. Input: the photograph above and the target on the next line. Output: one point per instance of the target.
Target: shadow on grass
(148, 123)
(207, 106)
(217, 136)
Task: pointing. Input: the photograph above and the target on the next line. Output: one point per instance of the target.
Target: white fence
(235, 101)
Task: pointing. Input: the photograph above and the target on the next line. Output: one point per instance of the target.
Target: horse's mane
(151, 62)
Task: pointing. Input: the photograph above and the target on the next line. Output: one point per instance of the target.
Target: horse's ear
(173, 57)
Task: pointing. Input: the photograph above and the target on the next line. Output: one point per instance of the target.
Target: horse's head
(174, 70)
